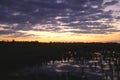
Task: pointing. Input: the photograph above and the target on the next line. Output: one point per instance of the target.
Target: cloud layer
(81, 16)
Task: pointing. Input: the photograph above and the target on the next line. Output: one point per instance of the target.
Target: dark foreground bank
(16, 56)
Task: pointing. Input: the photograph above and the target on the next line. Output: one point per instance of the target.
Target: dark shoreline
(15, 55)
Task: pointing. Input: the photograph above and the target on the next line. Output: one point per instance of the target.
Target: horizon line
(53, 41)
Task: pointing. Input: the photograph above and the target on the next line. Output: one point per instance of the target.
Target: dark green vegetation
(16, 55)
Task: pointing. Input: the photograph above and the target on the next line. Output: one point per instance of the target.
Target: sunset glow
(60, 20)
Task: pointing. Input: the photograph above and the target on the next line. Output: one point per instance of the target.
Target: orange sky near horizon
(60, 20)
(65, 37)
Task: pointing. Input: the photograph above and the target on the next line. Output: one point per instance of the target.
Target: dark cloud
(20, 34)
(47, 28)
(90, 32)
(118, 17)
(27, 13)
(96, 31)
(6, 32)
(14, 33)
(111, 3)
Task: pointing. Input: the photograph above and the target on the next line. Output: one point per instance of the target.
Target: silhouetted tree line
(15, 55)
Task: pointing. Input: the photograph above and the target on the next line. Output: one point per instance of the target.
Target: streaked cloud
(59, 16)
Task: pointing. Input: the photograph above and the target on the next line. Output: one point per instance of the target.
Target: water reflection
(98, 67)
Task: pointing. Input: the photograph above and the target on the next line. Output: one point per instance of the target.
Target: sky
(60, 20)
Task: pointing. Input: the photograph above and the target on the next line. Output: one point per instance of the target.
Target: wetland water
(60, 61)
(99, 67)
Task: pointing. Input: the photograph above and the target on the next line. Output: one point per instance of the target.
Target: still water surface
(97, 68)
